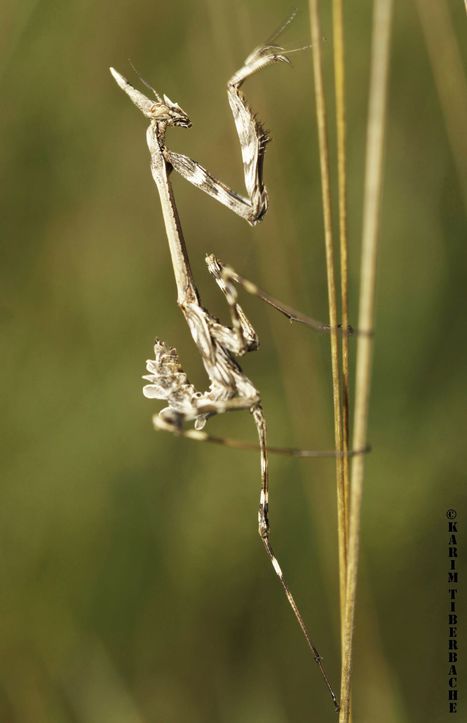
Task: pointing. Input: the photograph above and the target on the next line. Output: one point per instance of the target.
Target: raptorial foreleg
(241, 337)
(253, 140)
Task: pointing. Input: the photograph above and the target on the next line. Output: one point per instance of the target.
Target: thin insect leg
(201, 436)
(263, 529)
(288, 311)
(228, 274)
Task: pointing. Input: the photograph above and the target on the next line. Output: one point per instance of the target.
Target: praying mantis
(219, 345)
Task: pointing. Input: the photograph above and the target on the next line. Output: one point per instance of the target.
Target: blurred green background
(133, 586)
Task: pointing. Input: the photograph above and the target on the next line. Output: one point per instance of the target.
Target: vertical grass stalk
(371, 207)
(332, 296)
(339, 84)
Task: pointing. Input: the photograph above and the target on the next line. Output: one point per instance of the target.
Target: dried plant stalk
(339, 80)
(371, 207)
(332, 296)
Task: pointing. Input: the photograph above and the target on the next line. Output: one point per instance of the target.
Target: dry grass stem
(332, 296)
(339, 75)
(371, 207)
(339, 85)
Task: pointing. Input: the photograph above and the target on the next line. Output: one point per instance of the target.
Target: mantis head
(172, 114)
(162, 110)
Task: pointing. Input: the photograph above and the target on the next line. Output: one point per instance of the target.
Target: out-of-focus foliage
(133, 586)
